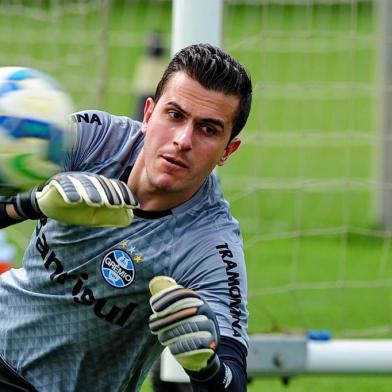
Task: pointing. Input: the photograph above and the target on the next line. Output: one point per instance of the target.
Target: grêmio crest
(117, 268)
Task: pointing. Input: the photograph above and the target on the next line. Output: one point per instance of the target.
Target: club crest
(117, 268)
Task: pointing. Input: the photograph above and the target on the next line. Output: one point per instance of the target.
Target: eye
(175, 114)
(207, 129)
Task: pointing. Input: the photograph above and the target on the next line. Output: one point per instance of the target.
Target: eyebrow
(213, 121)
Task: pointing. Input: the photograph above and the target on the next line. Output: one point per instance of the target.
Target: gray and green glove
(185, 323)
(78, 198)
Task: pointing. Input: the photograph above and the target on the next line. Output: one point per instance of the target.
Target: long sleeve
(231, 376)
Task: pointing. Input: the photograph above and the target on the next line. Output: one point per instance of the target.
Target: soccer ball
(35, 129)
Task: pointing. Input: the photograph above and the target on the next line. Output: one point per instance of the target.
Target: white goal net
(305, 193)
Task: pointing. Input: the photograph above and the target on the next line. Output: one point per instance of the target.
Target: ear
(148, 109)
(232, 147)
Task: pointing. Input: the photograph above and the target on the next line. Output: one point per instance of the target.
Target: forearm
(17, 208)
(8, 215)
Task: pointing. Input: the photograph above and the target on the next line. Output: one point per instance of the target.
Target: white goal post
(189, 16)
(285, 356)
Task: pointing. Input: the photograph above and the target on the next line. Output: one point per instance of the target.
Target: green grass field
(303, 185)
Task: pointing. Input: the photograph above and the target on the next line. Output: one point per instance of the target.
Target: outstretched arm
(76, 198)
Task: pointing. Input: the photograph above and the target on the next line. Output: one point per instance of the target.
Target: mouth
(175, 161)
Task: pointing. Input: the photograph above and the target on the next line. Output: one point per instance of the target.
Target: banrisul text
(80, 291)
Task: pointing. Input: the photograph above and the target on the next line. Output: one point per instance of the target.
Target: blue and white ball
(35, 129)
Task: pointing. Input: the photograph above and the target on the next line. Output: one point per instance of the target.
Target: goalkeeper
(135, 247)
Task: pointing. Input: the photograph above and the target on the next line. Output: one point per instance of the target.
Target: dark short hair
(215, 70)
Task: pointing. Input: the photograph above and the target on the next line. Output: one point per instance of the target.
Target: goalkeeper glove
(78, 198)
(185, 323)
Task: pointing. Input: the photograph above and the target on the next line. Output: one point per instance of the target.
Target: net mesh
(305, 190)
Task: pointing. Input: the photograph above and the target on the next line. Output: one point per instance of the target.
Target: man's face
(186, 135)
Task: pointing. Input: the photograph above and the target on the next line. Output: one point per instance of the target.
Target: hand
(184, 322)
(79, 198)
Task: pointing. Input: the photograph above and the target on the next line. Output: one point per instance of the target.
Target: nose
(183, 137)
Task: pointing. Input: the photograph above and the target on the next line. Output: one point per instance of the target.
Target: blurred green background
(304, 182)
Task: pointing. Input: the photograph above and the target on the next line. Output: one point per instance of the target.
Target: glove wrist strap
(208, 372)
(26, 205)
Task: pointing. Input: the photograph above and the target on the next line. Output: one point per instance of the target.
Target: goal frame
(285, 356)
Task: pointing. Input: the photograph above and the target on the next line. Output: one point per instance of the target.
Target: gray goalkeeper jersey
(75, 317)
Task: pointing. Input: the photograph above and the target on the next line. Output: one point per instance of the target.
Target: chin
(165, 183)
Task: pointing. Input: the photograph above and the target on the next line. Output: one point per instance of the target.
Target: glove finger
(196, 328)
(192, 344)
(89, 189)
(174, 298)
(122, 193)
(65, 187)
(118, 193)
(113, 199)
(158, 324)
(126, 194)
